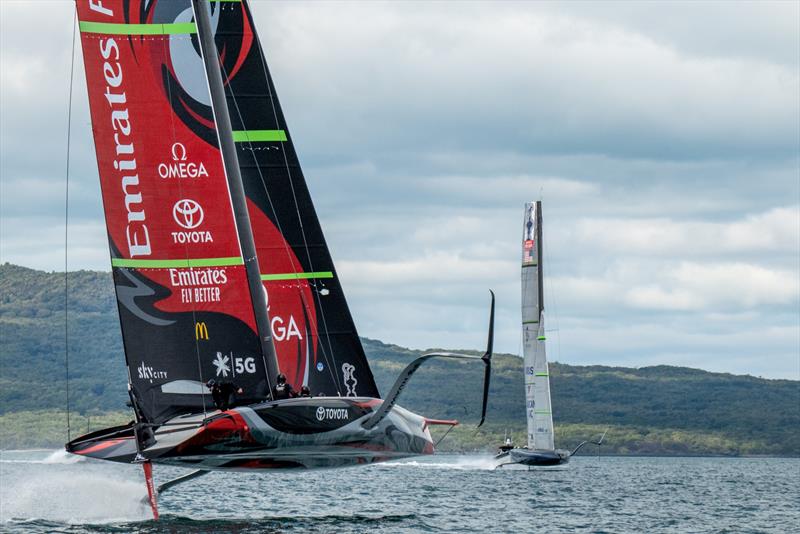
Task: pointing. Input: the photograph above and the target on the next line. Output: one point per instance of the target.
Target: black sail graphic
(314, 334)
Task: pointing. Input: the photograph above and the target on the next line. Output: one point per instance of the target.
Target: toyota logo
(187, 213)
(320, 413)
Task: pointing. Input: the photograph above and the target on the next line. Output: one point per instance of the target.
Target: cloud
(629, 286)
(526, 79)
(777, 230)
(734, 286)
(760, 30)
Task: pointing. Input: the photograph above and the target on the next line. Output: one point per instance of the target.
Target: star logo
(221, 363)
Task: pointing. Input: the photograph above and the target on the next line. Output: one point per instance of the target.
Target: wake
(56, 491)
(461, 463)
(56, 457)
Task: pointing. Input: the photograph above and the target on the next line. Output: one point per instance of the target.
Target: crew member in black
(305, 392)
(283, 389)
(224, 394)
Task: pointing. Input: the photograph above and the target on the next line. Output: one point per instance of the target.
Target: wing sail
(181, 284)
(537, 374)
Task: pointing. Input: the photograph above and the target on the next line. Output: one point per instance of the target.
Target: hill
(651, 410)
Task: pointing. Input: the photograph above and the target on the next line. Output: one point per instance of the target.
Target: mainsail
(315, 337)
(185, 288)
(537, 379)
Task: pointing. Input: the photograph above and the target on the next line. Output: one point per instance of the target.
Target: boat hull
(303, 433)
(532, 458)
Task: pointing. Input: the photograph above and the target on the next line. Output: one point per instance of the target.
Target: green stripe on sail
(112, 28)
(254, 136)
(541, 338)
(531, 322)
(542, 412)
(541, 374)
(296, 276)
(166, 264)
(524, 265)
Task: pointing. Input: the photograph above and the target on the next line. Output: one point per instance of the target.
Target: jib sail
(182, 289)
(537, 375)
(313, 331)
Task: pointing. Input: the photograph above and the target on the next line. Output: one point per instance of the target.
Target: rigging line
(66, 223)
(438, 441)
(166, 42)
(280, 229)
(297, 210)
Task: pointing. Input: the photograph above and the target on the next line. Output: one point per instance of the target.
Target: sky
(662, 138)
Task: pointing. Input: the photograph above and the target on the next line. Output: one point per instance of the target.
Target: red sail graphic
(291, 303)
(181, 285)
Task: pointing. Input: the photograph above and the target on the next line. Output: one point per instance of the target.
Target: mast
(231, 163)
(539, 247)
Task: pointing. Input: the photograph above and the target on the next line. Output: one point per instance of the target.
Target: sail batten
(256, 136)
(119, 28)
(186, 263)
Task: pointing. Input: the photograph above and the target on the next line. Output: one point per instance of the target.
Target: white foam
(73, 497)
(55, 457)
(63, 457)
(463, 463)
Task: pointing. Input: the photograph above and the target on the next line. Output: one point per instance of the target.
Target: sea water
(50, 491)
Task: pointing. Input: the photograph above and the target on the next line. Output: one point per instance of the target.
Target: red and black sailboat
(219, 262)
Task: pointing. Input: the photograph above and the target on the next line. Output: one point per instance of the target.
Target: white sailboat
(540, 450)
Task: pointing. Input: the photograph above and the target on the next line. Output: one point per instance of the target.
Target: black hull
(533, 458)
(305, 433)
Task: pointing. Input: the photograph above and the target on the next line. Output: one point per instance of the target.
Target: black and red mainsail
(313, 329)
(186, 301)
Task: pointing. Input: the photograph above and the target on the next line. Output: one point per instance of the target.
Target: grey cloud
(533, 82)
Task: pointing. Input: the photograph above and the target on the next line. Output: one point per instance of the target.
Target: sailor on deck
(224, 394)
(283, 389)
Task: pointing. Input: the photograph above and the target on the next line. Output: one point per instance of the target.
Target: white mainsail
(537, 379)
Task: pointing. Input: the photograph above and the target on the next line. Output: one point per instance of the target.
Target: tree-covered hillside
(657, 409)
